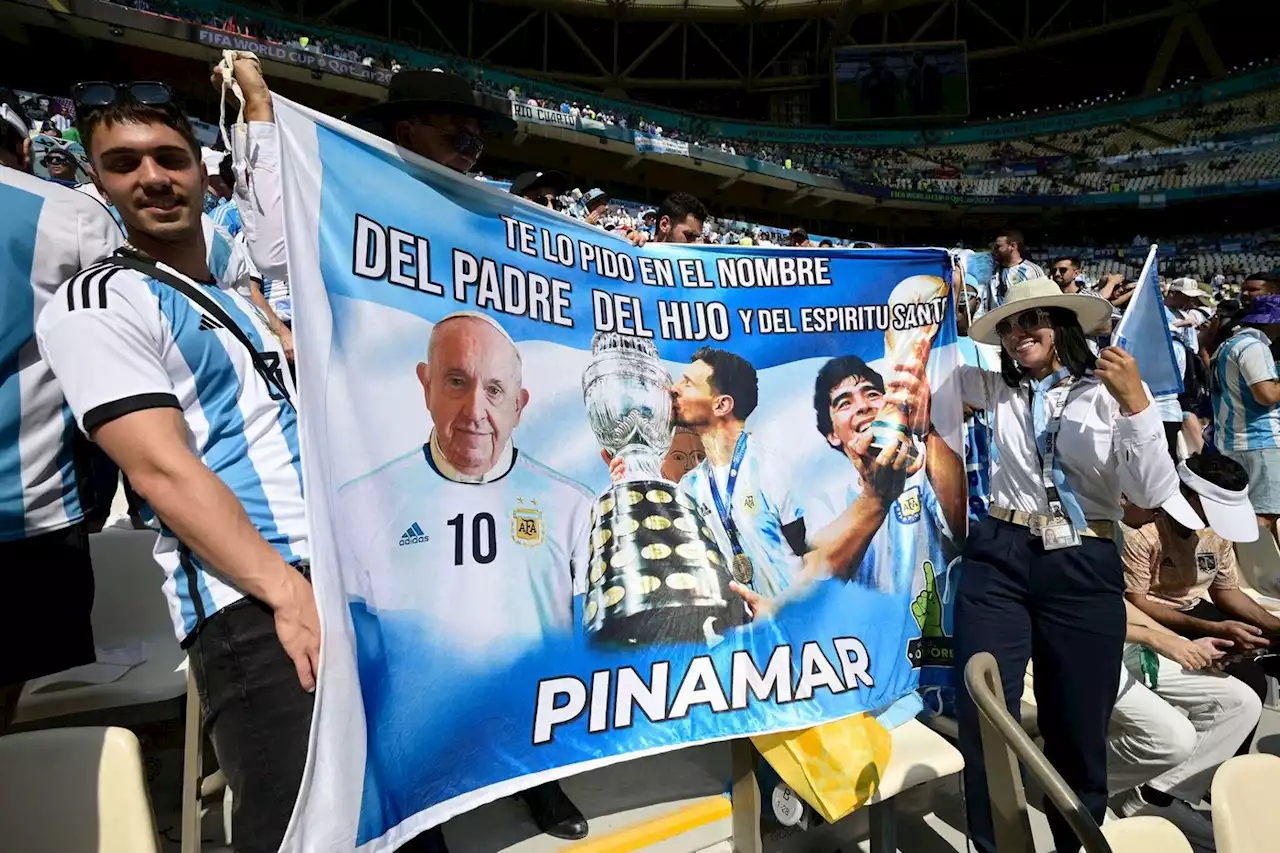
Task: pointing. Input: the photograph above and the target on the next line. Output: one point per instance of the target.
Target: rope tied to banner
(226, 69)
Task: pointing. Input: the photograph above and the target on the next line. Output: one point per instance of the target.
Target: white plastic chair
(1005, 745)
(1260, 567)
(1245, 817)
(75, 790)
(129, 610)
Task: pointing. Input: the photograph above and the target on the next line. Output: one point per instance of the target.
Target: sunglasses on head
(1027, 321)
(101, 94)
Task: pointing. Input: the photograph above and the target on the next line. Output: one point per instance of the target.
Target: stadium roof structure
(732, 57)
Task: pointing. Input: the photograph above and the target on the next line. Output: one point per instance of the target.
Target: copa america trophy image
(905, 346)
(656, 574)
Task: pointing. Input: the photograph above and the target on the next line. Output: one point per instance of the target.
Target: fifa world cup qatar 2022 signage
(574, 501)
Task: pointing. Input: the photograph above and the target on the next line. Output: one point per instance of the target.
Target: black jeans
(1252, 672)
(1064, 610)
(258, 717)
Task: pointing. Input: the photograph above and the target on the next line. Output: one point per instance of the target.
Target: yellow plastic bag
(834, 767)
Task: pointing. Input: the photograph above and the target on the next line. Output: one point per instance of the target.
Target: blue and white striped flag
(1143, 332)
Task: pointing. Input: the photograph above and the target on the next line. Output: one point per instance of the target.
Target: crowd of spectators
(1209, 324)
(997, 169)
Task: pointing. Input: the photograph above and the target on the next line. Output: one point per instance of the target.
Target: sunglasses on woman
(1028, 321)
(101, 94)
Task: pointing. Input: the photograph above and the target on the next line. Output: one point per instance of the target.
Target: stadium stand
(1058, 165)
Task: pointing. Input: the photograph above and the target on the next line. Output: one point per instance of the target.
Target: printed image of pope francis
(489, 544)
(480, 542)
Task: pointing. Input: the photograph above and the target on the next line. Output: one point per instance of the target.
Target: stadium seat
(196, 787)
(1245, 818)
(75, 790)
(130, 621)
(918, 756)
(1260, 567)
(1005, 746)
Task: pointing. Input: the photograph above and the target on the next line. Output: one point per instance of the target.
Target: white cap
(1176, 506)
(1230, 514)
(211, 159)
(1189, 286)
(482, 317)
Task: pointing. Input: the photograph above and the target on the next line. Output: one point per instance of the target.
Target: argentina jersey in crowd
(492, 566)
(159, 349)
(48, 233)
(914, 531)
(763, 503)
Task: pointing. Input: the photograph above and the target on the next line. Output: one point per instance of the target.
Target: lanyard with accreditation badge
(1058, 533)
(743, 571)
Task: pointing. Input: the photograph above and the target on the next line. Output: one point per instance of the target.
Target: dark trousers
(1064, 610)
(1252, 672)
(46, 605)
(258, 717)
(1171, 432)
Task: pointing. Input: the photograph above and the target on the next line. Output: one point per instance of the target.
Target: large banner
(534, 113)
(660, 144)
(574, 502)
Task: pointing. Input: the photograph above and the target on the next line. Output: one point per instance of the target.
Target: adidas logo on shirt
(414, 535)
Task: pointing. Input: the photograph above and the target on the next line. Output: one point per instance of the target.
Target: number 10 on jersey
(483, 533)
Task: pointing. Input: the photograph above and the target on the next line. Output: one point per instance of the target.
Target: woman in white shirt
(1041, 578)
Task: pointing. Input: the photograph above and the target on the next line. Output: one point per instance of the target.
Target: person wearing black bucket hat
(434, 114)
(438, 115)
(540, 187)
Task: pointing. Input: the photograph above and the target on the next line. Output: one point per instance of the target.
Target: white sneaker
(1194, 824)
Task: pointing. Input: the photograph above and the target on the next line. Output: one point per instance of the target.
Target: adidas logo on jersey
(414, 536)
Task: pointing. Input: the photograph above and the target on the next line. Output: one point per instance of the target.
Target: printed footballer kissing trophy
(890, 426)
(656, 574)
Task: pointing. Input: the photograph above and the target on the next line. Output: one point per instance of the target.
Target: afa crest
(526, 525)
(908, 507)
(751, 504)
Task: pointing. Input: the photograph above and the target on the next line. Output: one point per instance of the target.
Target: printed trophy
(890, 426)
(656, 574)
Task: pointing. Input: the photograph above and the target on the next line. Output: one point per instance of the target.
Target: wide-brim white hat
(1093, 312)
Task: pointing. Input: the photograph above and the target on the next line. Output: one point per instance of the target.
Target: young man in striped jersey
(1245, 389)
(192, 418)
(49, 233)
(1011, 268)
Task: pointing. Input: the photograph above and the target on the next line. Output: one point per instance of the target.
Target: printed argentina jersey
(1240, 421)
(47, 234)
(914, 531)
(123, 342)
(492, 567)
(763, 503)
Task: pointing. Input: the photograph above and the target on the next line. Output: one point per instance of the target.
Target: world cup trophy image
(925, 298)
(656, 574)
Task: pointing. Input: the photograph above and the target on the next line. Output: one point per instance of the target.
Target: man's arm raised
(259, 189)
